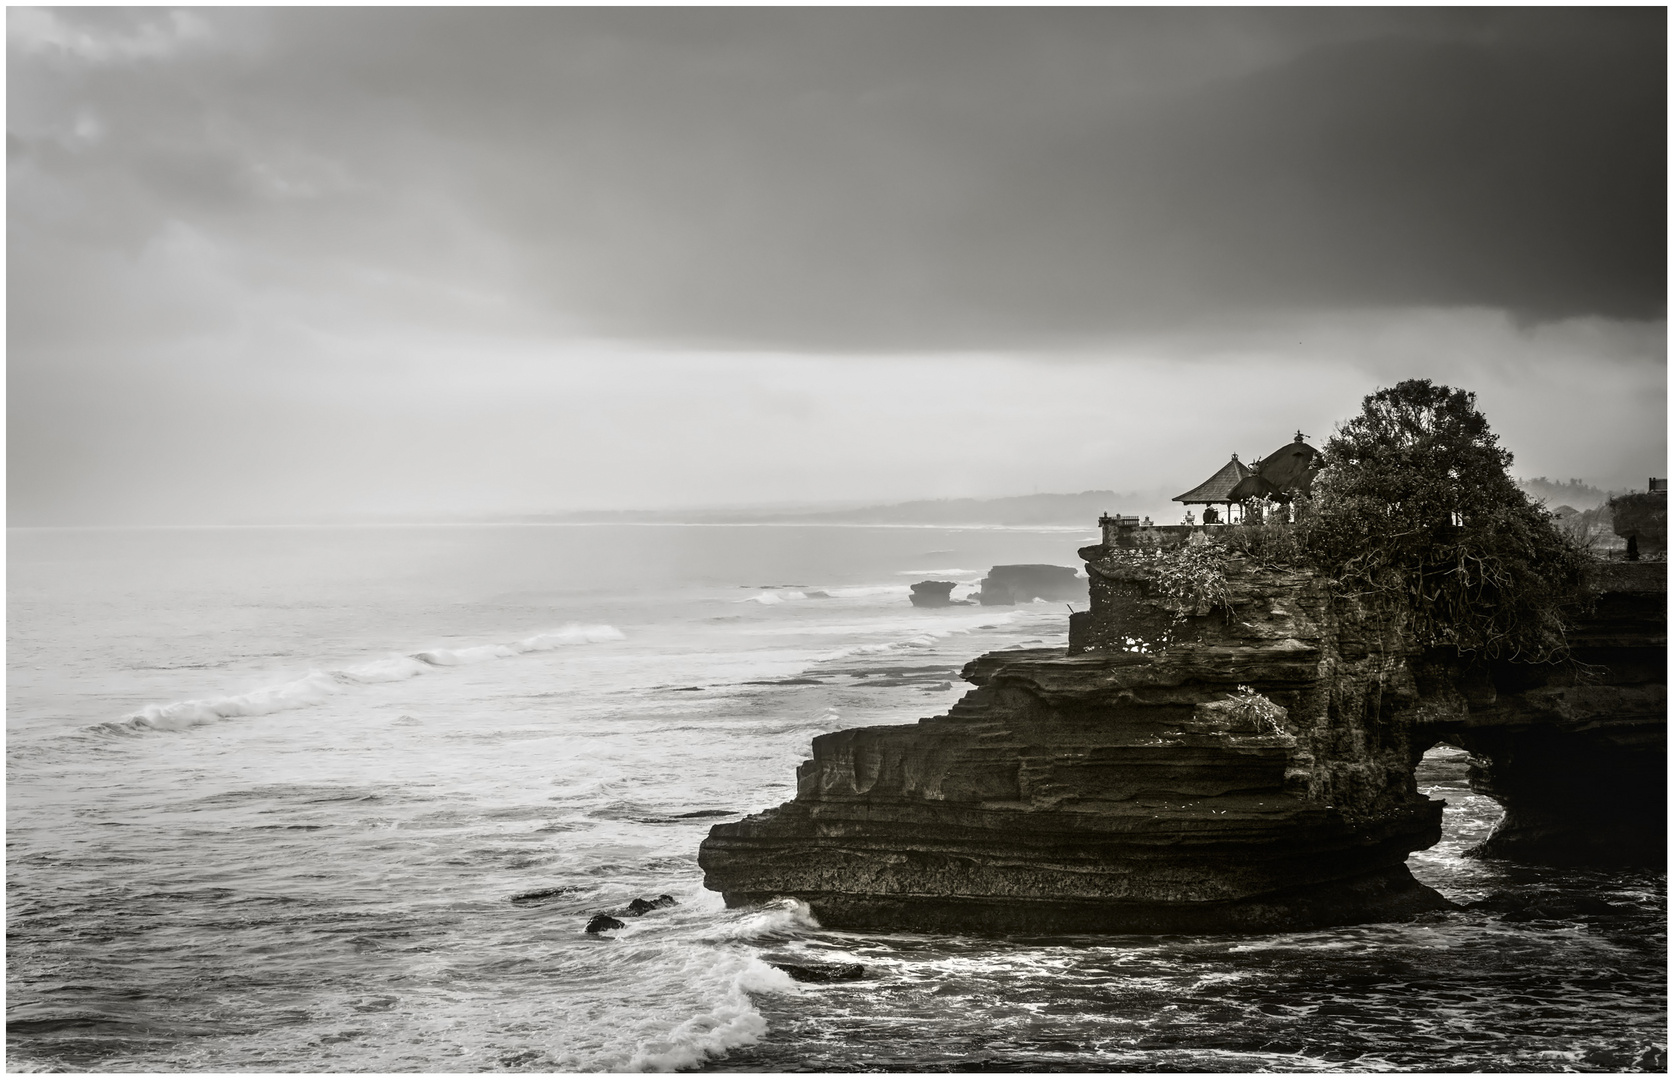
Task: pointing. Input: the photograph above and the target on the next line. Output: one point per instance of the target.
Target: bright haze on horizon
(301, 264)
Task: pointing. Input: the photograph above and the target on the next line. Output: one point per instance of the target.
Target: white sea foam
(732, 1022)
(319, 685)
(573, 634)
(922, 640)
(770, 597)
(853, 591)
(781, 918)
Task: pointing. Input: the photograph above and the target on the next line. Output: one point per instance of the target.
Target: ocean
(343, 799)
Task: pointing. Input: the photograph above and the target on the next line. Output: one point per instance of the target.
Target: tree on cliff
(1415, 503)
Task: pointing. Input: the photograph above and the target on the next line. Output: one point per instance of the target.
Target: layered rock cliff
(1238, 769)
(1245, 764)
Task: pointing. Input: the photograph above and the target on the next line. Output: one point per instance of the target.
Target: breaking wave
(871, 590)
(319, 685)
(770, 597)
(730, 1023)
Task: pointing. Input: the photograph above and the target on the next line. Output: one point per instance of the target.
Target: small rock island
(1025, 582)
(935, 594)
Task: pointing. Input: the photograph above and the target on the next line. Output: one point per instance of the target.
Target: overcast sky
(295, 264)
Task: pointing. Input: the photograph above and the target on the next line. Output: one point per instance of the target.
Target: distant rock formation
(1021, 583)
(935, 594)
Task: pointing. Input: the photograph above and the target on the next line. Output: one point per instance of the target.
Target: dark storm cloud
(273, 264)
(852, 179)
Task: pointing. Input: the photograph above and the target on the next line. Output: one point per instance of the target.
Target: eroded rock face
(1575, 752)
(1129, 787)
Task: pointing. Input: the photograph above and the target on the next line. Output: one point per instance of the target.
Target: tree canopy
(1414, 503)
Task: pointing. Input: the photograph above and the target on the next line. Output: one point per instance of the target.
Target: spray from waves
(725, 973)
(779, 919)
(869, 590)
(918, 641)
(317, 686)
(573, 634)
(731, 1022)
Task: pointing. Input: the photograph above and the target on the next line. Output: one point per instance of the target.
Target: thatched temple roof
(1218, 488)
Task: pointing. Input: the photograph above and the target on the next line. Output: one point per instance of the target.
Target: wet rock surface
(639, 906)
(820, 973)
(537, 897)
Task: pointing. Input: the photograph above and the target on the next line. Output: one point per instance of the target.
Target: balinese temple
(1217, 489)
(1286, 472)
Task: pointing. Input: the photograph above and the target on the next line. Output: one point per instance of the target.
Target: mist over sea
(343, 799)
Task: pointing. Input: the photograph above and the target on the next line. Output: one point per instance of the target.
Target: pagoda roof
(1218, 488)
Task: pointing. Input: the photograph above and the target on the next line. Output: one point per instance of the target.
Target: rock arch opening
(1468, 819)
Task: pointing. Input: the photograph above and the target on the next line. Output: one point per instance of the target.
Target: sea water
(344, 799)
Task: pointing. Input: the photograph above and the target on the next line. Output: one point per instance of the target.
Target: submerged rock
(601, 923)
(541, 896)
(821, 972)
(640, 907)
(1519, 907)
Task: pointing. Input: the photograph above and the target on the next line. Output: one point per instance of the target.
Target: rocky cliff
(1239, 765)
(1240, 769)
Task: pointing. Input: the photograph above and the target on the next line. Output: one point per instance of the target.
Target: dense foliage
(1415, 504)
(1414, 509)
(1190, 579)
(1640, 514)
